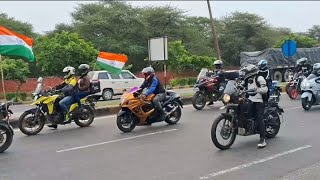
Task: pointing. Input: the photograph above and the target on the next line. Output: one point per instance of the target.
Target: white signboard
(158, 49)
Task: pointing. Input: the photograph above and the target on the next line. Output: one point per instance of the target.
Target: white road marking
(292, 108)
(113, 141)
(254, 162)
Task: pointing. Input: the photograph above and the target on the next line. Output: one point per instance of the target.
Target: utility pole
(215, 38)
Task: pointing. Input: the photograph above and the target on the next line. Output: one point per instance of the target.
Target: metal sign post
(289, 48)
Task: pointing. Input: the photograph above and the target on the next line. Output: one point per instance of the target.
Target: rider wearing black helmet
(264, 72)
(303, 66)
(83, 83)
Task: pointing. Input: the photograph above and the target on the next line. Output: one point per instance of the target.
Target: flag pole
(2, 79)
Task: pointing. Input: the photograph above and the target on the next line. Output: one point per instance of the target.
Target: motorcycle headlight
(226, 98)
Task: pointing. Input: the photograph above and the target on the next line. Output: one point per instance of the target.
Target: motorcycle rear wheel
(8, 138)
(293, 92)
(197, 103)
(175, 118)
(129, 123)
(229, 132)
(24, 121)
(86, 117)
(273, 129)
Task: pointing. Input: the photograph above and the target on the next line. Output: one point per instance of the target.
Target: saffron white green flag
(110, 62)
(14, 44)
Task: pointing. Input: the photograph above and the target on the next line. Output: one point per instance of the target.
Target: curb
(103, 111)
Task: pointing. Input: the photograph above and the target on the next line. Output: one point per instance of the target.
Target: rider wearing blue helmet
(264, 72)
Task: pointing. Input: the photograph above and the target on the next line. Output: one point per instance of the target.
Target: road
(161, 152)
(19, 109)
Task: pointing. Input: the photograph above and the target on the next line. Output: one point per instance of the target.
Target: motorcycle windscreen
(134, 89)
(231, 88)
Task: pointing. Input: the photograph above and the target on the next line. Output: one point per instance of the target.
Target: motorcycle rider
(154, 86)
(218, 71)
(68, 87)
(304, 66)
(83, 83)
(39, 88)
(264, 72)
(254, 81)
(316, 69)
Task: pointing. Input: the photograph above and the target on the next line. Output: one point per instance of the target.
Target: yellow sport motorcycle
(32, 121)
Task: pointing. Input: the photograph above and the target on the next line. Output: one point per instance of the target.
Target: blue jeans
(79, 95)
(65, 103)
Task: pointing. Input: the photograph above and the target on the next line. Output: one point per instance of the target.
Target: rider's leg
(156, 102)
(64, 104)
(260, 107)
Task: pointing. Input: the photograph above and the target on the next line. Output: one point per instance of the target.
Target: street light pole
(215, 38)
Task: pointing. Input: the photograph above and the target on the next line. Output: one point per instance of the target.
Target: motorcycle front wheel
(227, 132)
(29, 124)
(126, 122)
(6, 138)
(199, 100)
(86, 116)
(306, 104)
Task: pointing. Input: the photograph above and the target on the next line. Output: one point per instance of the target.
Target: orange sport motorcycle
(136, 111)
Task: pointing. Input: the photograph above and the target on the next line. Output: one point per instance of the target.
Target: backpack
(266, 96)
(94, 87)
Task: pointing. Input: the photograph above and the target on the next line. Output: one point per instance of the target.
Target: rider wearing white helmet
(316, 69)
(252, 81)
(68, 87)
(154, 86)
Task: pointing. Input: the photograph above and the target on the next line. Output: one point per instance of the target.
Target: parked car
(114, 84)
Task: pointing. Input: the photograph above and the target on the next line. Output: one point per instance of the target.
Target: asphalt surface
(19, 109)
(167, 152)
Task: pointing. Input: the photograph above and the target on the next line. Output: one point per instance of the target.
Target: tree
(64, 49)
(17, 70)
(301, 40)
(180, 59)
(17, 26)
(314, 32)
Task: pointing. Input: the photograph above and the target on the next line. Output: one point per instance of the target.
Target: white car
(114, 84)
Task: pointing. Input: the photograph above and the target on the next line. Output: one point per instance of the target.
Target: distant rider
(264, 72)
(154, 86)
(316, 69)
(303, 66)
(218, 71)
(253, 81)
(83, 83)
(68, 87)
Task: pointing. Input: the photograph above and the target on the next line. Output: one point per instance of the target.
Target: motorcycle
(310, 88)
(275, 91)
(32, 121)
(6, 130)
(238, 120)
(205, 87)
(136, 111)
(294, 86)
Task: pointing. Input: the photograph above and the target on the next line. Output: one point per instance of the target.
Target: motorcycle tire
(22, 120)
(203, 101)
(287, 88)
(90, 118)
(120, 123)
(9, 138)
(293, 92)
(214, 139)
(177, 115)
(275, 125)
(306, 104)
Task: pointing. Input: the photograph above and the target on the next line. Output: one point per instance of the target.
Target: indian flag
(113, 63)
(14, 44)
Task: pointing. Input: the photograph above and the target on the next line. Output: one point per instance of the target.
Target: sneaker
(54, 126)
(210, 103)
(262, 143)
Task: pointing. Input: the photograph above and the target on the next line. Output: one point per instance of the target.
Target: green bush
(23, 96)
(183, 81)
(12, 97)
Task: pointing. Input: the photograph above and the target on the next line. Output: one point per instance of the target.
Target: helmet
(218, 64)
(302, 61)
(83, 69)
(147, 71)
(40, 80)
(68, 72)
(248, 71)
(316, 68)
(263, 65)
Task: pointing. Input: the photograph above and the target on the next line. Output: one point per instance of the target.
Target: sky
(297, 15)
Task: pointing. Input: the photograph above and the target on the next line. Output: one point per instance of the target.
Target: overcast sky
(297, 15)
